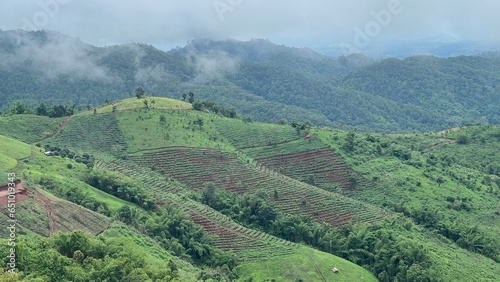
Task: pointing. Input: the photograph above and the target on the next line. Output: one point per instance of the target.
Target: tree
(184, 95)
(145, 104)
(41, 110)
(191, 97)
(163, 119)
(139, 92)
(349, 142)
(19, 108)
(199, 121)
(462, 139)
(208, 194)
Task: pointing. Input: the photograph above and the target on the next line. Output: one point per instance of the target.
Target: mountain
(164, 192)
(259, 79)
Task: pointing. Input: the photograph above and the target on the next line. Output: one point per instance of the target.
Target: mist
(319, 24)
(52, 55)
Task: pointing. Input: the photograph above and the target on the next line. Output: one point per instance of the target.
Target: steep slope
(46, 214)
(259, 79)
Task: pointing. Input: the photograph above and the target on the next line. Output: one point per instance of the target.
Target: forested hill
(259, 79)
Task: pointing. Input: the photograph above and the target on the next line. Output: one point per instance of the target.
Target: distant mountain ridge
(259, 79)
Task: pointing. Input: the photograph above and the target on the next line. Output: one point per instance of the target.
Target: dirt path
(46, 202)
(317, 270)
(62, 126)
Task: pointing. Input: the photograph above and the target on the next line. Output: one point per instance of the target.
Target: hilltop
(259, 79)
(211, 197)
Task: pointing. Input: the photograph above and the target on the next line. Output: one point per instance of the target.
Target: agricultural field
(197, 167)
(143, 129)
(91, 133)
(259, 251)
(42, 213)
(295, 146)
(158, 103)
(244, 135)
(321, 168)
(29, 128)
(228, 235)
(437, 191)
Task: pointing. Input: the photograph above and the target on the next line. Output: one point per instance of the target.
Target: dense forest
(258, 79)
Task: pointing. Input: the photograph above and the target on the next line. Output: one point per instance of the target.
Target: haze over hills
(259, 79)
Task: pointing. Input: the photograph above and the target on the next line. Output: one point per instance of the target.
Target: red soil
(21, 193)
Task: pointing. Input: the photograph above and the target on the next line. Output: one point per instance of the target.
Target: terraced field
(247, 243)
(295, 146)
(247, 135)
(91, 133)
(197, 167)
(319, 167)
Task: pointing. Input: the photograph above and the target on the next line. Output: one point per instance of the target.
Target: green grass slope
(440, 192)
(307, 265)
(29, 128)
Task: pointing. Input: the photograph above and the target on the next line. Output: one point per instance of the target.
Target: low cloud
(52, 55)
(213, 65)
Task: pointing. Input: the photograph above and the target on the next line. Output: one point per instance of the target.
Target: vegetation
(271, 82)
(212, 198)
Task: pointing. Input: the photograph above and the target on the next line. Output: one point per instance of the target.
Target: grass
(55, 168)
(14, 148)
(10, 151)
(29, 128)
(295, 146)
(248, 135)
(438, 174)
(7, 163)
(91, 133)
(31, 216)
(142, 129)
(153, 253)
(307, 265)
(134, 103)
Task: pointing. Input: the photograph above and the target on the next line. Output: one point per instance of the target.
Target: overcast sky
(356, 24)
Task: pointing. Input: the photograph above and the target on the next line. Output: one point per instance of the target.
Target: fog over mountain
(259, 79)
(379, 28)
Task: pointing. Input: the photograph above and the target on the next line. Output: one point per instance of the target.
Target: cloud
(53, 56)
(213, 65)
(166, 24)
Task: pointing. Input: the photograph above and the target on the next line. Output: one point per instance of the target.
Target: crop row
(228, 234)
(197, 167)
(320, 167)
(247, 135)
(92, 133)
(295, 146)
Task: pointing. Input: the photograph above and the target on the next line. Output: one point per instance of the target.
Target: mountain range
(261, 80)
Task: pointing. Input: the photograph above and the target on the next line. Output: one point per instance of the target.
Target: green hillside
(202, 197)
(259, 79)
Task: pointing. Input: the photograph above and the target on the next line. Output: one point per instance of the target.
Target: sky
(348, 25)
